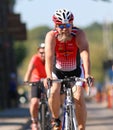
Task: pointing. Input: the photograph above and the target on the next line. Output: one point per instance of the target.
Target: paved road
(99, 117)
(15, 118)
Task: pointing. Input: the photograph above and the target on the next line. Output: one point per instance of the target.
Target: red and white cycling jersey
(66, 53)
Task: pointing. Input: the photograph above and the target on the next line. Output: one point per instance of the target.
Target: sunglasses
(62, 26)
(41, 53)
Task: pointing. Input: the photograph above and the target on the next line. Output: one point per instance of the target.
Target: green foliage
(98, 55)
(94, 33)
(98, 51)
(20, 52)
(38, 33)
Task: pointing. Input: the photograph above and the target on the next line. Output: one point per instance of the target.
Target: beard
(63, 37)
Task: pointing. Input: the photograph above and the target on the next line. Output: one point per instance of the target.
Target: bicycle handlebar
(72, 79)
(35, 82)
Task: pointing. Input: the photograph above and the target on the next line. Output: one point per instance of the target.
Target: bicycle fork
(67, 112)
(69, 121)
(66, 118)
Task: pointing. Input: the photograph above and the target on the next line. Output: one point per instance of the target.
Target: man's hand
(47, 83)
(26, 82)
(90, 81)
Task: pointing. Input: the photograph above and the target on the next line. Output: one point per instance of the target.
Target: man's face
(64, 28)
(41, 53)
(64, 31)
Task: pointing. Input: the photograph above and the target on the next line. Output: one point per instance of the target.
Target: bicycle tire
(42, 116)
(71, 118)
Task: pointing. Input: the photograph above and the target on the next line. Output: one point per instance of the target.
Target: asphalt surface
(99, 117)
(15, 118)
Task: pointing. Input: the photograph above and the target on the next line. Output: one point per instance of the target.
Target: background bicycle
(44, 113)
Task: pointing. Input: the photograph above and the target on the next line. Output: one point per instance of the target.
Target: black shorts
(61, 74)
(36, 90)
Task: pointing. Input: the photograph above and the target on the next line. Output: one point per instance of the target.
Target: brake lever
(49, 83)
(89, 81)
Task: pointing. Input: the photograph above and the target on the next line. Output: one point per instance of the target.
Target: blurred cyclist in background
(36, 71)
(64, 46)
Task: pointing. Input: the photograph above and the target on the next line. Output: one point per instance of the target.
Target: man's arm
(84, 52)
(49, 53)
(28, 72)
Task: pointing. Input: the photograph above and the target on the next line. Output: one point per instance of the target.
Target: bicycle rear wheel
(44, 117)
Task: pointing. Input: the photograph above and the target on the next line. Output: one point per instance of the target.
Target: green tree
(20, 52)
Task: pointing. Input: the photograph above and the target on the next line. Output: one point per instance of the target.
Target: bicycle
(69, 119)
(44, 113)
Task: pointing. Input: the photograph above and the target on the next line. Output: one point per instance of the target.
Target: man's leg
(81, 112)
(54, 100)
(34, 108)
(55, 103)
(34, 112)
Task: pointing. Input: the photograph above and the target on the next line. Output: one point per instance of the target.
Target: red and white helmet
(62, 16)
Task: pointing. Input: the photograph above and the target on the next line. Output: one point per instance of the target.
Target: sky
(39, 12)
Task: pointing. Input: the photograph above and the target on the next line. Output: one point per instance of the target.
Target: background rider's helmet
(42, 45)
(62, 16)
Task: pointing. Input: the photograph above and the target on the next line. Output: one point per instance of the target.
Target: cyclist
(36, 71)
(63, 46)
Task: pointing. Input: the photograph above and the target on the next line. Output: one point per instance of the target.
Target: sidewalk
(15, 118)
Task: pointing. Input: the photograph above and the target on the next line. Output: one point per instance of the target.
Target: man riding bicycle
(36, 71)
(63, 45)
